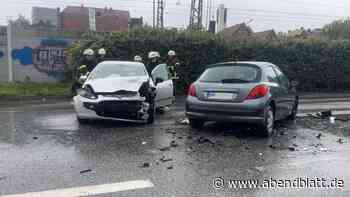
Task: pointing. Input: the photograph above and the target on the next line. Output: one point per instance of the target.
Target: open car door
(165, 88)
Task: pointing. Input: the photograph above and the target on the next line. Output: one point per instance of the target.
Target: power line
(272, 14)
(319, 4)
(186, 5)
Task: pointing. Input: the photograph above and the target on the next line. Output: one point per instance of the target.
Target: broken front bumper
(134, 109)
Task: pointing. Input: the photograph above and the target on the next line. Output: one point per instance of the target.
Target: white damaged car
(119, 90)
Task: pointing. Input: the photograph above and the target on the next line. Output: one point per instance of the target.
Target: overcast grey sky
(280, 15)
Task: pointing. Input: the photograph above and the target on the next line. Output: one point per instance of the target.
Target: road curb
(310, 96)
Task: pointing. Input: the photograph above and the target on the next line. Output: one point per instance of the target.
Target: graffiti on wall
(50, 56)
(1, 54)
(24, 55)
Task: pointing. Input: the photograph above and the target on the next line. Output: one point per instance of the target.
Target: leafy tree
(21, 21)
(339, 29)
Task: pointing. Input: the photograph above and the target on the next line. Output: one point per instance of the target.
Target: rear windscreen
(232, 73)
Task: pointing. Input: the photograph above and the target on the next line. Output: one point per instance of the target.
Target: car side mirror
(82, 78)
(159, 80)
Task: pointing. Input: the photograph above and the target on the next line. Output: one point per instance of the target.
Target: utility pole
(196, 14)
(154, 13)
(207, 18)
(9, 51)
(160, 14)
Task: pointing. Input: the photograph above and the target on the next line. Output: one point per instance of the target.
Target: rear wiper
(234, 81)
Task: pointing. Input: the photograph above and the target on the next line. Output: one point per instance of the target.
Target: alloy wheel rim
(270, 121)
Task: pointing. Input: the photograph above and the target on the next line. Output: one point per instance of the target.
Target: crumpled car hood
(113, 84)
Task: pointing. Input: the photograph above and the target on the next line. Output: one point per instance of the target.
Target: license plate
(221, 96)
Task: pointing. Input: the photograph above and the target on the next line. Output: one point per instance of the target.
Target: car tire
(267, 128)
(82, 120)
(196, 123)
(160, 110)
(151, 113)
(294, 112)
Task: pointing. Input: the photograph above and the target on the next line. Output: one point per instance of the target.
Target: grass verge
(34, 89)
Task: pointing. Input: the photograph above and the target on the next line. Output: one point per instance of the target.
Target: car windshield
(231, 73)
(108, 70)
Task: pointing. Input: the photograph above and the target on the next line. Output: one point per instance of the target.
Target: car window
(282, 78)
(107, 70)
(231, 74)
(161, 71)
(271, 75)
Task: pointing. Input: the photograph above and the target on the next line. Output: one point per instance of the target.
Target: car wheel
(196, 123)
(269, 122)
(160, 110)
(82, 120)
(151, 114)
(294, 112)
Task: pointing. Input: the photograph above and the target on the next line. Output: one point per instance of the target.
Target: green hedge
(319, 65)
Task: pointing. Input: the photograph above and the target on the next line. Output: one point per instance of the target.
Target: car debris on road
(145, 165)
(184, 121)
(340, 141)
(319, 136)
(85, 171)
(165, 148)
(164, 159)
(174, 144)
(291, 148)
(170, 167)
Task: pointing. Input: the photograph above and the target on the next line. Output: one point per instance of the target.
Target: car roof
(255, 63)
(122, 62)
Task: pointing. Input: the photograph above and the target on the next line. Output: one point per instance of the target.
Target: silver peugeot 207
(246, 92)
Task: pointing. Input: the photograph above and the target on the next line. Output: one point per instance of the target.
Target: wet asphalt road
(42, 147)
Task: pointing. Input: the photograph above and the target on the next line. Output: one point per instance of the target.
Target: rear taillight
(192, 90)
(258, 92)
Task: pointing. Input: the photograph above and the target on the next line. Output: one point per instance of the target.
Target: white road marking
(90, 190)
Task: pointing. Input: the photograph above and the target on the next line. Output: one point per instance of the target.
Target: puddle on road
(65, 122)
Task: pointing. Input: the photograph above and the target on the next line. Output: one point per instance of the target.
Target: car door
(276, 90)
(165, 88)
(287, 95)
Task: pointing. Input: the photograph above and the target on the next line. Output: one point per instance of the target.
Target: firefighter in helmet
(101, 55)
(172, 63)
(88, 63)
(89, 59)
(154, 60)
(138, 58)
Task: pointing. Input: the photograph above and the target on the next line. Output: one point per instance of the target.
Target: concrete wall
(3, 55)
(39, 57)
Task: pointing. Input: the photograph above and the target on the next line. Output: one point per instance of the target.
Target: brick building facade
(75, 18)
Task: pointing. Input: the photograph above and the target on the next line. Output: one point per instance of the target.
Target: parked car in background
(119, 90)
(247, 92)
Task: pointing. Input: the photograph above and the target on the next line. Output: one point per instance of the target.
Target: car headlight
(87, 92)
